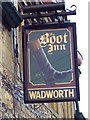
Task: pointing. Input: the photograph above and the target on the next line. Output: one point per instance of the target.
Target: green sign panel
(51, 65)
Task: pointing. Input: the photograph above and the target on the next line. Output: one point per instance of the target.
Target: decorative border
(27, 86)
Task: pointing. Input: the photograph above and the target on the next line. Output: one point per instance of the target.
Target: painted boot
(50, 75)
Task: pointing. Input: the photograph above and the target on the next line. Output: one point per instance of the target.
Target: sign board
(50, 63)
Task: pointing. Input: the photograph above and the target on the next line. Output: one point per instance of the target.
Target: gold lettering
(52, 39)
(38, 95)
(43, 94)
(61, 93)
(59, 39)
(49, 94)
(50, 49)
(32, 94)
(66, 93)
(56, 47)
(47, 38)
(64, 47)
(55, 94)
(61, 47)
(65, 38)
(42, 41)
(71, 92)
(54, 43)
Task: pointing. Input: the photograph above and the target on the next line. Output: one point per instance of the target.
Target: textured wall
(11, 87)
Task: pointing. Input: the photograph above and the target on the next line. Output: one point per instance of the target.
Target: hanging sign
(50, 64)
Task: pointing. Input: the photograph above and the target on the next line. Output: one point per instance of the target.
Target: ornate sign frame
(50, 63)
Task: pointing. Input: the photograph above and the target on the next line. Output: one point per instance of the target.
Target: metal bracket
(54, 12)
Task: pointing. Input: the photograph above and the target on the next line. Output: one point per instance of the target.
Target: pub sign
(50, 63)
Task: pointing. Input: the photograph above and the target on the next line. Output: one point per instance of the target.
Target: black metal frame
(52, 14)
(44, 7)
(52, 11)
